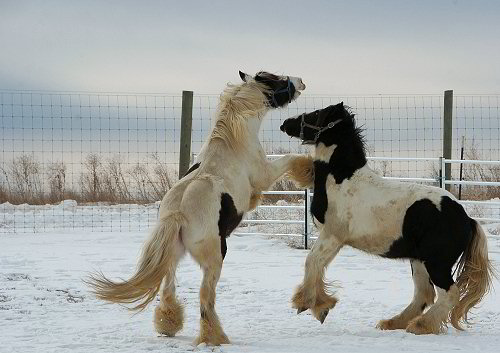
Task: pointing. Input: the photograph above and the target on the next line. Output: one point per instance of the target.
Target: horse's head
(281, 90)
(322, 125)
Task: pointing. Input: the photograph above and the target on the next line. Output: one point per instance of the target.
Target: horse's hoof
(299, 310)
(323, 315)
(385, 325)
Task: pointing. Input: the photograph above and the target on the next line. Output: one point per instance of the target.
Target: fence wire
(102, 161)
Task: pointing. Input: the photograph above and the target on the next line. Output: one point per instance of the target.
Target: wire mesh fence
(72, 160)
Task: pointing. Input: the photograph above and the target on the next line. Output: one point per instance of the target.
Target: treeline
(109, 179)
(99, 179)
(479, 172)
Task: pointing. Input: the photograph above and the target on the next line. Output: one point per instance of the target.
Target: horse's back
(398, 220)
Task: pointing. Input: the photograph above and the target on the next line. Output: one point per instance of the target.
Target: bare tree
(384, 168)
(163, 181)
(56, 173)
(115, 182)
(25, 173)
(4, 194)
(479, 172)
(151, 181)
(140, 176)
(91, 179)
(5, 186)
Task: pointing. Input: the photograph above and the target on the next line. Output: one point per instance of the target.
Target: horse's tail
(158, 260)
(474, 275)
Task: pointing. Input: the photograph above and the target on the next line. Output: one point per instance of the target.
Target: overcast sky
(337, 47)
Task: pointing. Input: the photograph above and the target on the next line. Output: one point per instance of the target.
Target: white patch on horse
(323, 153)
(373, 208)
(298, 84)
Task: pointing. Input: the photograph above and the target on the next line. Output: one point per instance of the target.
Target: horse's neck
(251, 153)
(345, 161)
(253, 126)
(253, 143)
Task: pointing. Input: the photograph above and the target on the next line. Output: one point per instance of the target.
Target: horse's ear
(341, 103)
(245, 77)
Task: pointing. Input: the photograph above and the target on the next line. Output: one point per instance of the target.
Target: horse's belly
(373, 234)
(377, 245)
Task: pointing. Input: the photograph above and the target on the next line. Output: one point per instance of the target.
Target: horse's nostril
(282, 127)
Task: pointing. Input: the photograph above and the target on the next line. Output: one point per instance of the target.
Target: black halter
(283, 90)
(319, 129)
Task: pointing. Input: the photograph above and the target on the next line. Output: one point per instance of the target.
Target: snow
(68, 216)
(45, 306)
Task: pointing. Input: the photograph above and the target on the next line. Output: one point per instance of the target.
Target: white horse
(207, 204)
(354, 206)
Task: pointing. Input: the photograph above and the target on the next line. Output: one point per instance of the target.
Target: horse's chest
(319, 204)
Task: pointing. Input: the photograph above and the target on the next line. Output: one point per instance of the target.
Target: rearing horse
(207, 204)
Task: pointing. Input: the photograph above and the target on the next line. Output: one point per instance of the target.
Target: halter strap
(283, 90)
(319, 130)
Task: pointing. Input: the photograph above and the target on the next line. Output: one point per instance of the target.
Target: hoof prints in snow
(17, 277)
(70, 298)
(23, 291)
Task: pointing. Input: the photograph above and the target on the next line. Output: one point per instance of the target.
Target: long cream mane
(237, 104)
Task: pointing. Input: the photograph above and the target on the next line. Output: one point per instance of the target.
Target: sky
(338, 47)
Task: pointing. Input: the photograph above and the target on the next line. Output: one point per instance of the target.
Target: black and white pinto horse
(354, 206)
(207, 204)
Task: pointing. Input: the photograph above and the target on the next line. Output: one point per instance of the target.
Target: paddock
(44, 305)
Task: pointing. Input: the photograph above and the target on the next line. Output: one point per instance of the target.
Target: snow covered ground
(45, 307)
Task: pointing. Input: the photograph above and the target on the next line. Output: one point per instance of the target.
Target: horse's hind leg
(435, 319)
(169, 314)
(423, 296)
(312, 294)
(208, 255)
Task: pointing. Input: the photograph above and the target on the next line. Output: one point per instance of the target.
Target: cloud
(337, 47)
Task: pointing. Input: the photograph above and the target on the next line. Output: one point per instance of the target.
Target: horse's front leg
(300, 168)
(313, 292)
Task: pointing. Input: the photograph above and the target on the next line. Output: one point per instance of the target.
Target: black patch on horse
(229, 218)
(281, 91)
(349, 155)
(193, 167)
(319, 203)
(435, 237)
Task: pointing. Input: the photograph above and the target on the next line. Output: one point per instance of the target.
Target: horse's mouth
(297, 83)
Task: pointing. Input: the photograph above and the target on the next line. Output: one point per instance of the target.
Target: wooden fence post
(447, 132)
(186, 125)
(306, 220)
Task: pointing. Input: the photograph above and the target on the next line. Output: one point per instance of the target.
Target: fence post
(447, 132)
(306, 221)
(441, 183)
(186, 124)
(462, 146)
